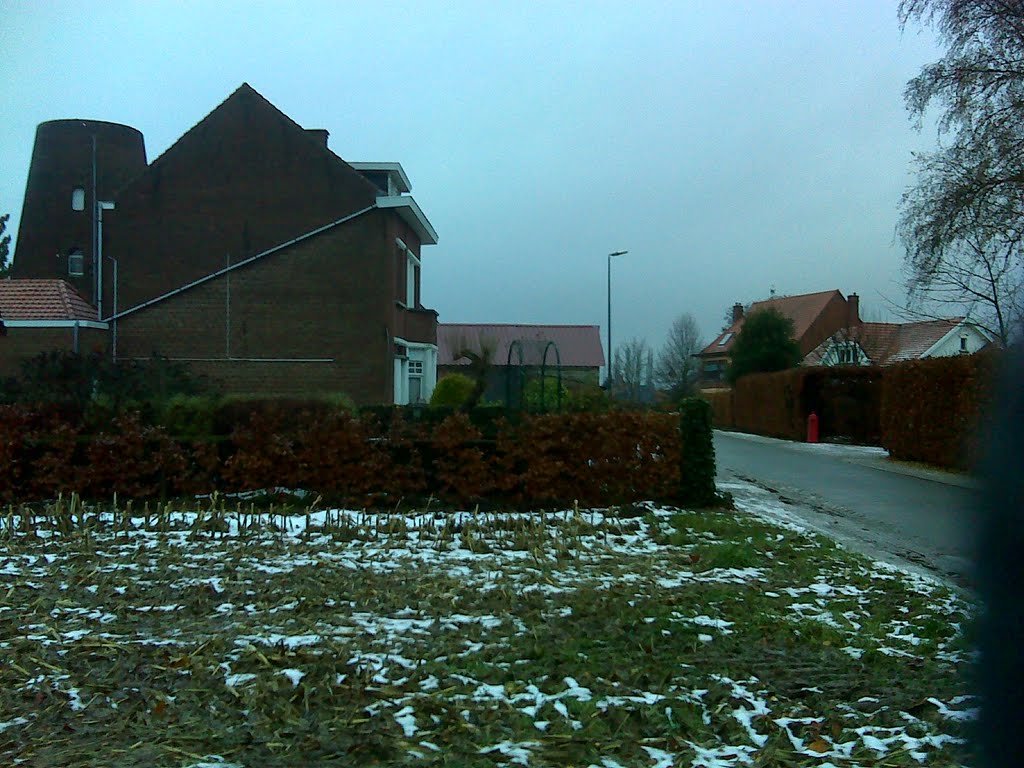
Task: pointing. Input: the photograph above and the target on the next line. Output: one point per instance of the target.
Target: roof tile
(803, 310)
(887, 343)
(30, 299)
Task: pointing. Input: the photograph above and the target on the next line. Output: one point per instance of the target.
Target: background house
(815, 316)
(888, 343)
(248, 250)
(576, 348)
(43, 316)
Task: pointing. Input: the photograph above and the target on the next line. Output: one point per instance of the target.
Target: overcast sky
(730, 147)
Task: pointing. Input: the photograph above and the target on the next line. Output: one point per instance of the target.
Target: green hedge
(697, 461)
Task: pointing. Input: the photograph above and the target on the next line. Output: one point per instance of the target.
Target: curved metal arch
(544, 375)
(518, 347)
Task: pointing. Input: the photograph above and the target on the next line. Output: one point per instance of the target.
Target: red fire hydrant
(812, 428)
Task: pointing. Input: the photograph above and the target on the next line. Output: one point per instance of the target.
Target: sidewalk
(868, 456)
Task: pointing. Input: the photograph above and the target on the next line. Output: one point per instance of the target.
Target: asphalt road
(893, 512)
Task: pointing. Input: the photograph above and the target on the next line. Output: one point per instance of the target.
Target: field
(634, 636)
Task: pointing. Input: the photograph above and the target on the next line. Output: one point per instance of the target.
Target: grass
(587, 637)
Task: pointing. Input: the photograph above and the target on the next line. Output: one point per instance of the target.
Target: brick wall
(62, 159)
(833, 318)
(278, 379)
(326, 298)
(411, 324)
(243, 180)
(22, 343)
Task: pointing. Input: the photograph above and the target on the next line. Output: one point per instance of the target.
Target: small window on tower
(76, 263)
(78, 199)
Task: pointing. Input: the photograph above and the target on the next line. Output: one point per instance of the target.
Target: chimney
(737, 312)
(853, 310)
(320, 134)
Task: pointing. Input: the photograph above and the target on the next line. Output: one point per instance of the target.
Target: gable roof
(886, 343)
(246, 91)
(250, 94)
(30, 299)
(578, 345)
(803, 310)
(917, 338)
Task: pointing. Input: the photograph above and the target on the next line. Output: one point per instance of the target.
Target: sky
(731, 147)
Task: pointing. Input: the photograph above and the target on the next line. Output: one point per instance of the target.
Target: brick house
(575, 349)
(248, 250)
(815, 316)
(889, 343)
(42, 316)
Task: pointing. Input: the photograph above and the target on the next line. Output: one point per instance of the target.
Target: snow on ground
(509, 559)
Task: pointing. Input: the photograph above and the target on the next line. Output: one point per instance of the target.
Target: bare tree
(632, 369)
(727, 320)
(962, 223)
(982, 280)
(677, 368)
(5, 246)
(479, 354)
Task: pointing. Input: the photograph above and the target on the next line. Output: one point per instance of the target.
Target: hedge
(373, 459)
(847, 401)
(721, 408)
(922, 410)
(932, 409)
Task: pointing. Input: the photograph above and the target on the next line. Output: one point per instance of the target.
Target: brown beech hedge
(932, 410)
(382, 458)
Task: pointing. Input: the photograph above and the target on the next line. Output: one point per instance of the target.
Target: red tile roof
(803, 310)
(878, 340)
(917, 338)
(578, 345)
(25, 299)
(886, 343)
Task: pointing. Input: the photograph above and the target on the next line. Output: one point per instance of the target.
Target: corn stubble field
(220, 635)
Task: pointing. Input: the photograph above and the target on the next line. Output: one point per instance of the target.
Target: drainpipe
(114, 345)
(74, 338)
(97, 269)
(101, 206)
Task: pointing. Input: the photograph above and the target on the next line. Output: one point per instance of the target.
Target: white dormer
(389, 178)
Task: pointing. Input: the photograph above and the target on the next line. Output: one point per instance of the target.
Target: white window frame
(415, 352)
(412, 263)
(840, 349)
(76, 256)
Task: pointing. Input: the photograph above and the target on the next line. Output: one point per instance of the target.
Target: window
(713, 370)
(76, 263)
(845, 353)
(725, 339)
(963, 344)
(412, 269)
(407, 266)
(415, 381)
(78, 199)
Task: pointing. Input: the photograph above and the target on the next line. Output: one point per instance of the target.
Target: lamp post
(608, 380)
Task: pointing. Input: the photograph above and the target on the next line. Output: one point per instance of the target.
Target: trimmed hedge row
(846, 400)
(555, 459)
(932, 409)
(721, 408)
(924, 410)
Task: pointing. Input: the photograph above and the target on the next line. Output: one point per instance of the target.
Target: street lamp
(608, 380)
